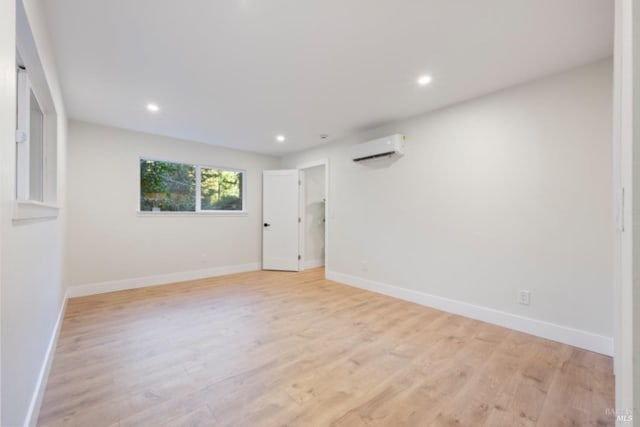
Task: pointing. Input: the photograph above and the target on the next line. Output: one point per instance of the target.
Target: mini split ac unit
(387, 146)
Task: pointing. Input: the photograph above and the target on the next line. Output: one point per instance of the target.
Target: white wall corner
(314, 263)
(161, 279)
(38, 394)
(566, 335)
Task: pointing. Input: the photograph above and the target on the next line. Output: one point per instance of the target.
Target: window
(30, 140)
(220, 190)
(167, 186)
(179, 187)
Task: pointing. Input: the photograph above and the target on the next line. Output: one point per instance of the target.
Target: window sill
(191, 214)
(25, 210)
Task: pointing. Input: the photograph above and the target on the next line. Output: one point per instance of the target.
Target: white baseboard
(161, 279)
(43, 376)
(313, 264)
(575, 337)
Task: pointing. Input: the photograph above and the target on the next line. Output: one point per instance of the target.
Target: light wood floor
(275, 349)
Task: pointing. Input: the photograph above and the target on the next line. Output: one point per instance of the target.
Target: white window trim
(199, 211)
(192, 214)
(25, 209)
(199, 189)
(28, 210)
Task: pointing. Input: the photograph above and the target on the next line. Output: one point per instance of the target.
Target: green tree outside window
(171, 187)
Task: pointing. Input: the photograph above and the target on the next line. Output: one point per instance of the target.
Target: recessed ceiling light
(280, 138)
(424, 80)
(153, 108)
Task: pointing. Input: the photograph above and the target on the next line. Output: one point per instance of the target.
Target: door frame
(626, 128)
(301, 244)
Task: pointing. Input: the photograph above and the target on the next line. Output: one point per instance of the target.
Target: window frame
(30, 79)
(198, 195)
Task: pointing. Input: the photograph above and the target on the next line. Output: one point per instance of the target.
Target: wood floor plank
(271, 349)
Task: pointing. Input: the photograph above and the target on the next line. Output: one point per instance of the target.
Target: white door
(280, 228)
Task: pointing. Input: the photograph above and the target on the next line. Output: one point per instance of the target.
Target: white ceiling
(238, 72)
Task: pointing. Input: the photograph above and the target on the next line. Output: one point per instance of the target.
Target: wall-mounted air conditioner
(387, 146)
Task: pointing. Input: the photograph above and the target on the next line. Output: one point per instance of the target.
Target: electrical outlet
(524, 297)
(365, 266)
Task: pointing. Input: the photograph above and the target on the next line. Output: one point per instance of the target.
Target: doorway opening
(295, 208)
(313, 201)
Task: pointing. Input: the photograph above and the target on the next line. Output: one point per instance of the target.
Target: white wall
(108, 241)
(7, 130)
(314, 182)
(31, 253)
(505, 192)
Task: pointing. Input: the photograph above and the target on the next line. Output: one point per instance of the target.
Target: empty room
(320, 213)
